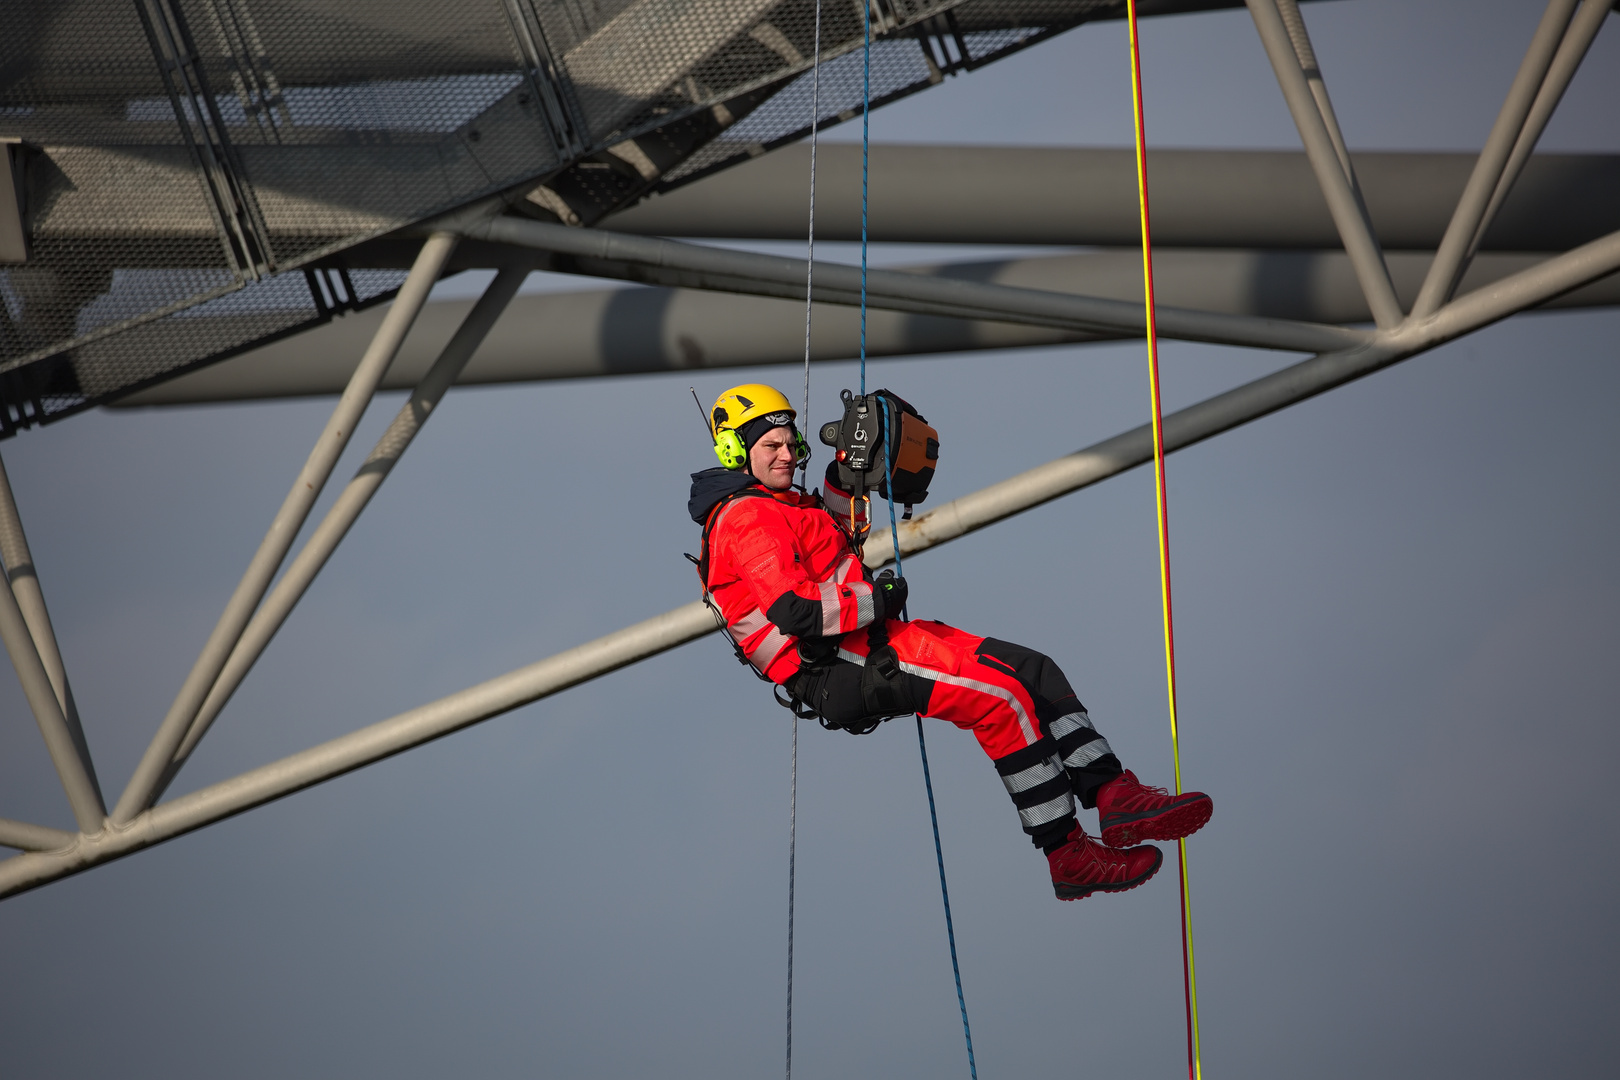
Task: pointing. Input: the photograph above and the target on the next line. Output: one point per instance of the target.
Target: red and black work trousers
(1016, 701)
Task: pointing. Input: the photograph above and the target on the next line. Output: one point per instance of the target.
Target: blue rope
(928, 779)
(945, 894)
(894, 536)
(866, 154)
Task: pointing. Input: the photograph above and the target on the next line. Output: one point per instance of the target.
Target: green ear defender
(729, 448)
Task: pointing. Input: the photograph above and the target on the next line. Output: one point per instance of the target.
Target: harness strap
(701, 562)
(812, 656)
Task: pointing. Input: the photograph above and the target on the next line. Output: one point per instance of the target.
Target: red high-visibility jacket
(781, 569)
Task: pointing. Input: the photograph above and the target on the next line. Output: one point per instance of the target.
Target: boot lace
(1140, 793)
(1087, 860)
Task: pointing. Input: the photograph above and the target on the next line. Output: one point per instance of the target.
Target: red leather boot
(1130, 812)
(1082, 866)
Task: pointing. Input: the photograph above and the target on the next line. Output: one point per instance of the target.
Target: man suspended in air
(783, 569)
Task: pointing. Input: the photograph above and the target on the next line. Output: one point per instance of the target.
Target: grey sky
(1396, 620)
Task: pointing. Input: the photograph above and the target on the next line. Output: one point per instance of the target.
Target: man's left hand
(894, 591)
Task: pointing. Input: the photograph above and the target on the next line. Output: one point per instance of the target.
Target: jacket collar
(713, 486)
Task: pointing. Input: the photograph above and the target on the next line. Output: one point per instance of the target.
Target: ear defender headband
(732, 450)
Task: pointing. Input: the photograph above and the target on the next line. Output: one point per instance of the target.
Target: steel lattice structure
(486, 182)
(190, 171)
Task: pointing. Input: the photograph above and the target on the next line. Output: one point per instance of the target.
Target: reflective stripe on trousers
(1040, 792)
(1078, 741)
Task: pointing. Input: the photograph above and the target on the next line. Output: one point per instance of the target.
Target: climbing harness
(1188, 969)
(793, 702)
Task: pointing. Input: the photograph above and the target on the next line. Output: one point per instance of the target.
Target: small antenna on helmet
(706, 425)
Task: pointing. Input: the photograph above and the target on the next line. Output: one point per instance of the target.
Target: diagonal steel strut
(1469, 216)
(346, 510)
(1518, 127)
(1321, 148)
(1583, 30)
(1301, 38)
(23, 578)
(284, 527)
(82, 795)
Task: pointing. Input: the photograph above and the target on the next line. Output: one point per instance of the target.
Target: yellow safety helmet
(740, 406)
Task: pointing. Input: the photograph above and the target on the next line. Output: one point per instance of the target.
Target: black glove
(891, 592)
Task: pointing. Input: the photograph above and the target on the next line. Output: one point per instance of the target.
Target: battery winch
(883, 445)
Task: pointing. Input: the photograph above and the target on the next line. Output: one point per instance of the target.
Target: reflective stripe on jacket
(780, 569)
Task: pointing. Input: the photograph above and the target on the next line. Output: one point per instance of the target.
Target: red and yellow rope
(1188, 969)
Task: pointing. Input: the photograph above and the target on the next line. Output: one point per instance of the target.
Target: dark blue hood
(710, 486)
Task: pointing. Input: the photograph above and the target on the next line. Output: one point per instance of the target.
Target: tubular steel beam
(971, 512)
(669, 262)
(1004, 195)
(1469, 217)
(284, 528)
(1355, 228)
(28, 837)
(1583, 30)
(24, 578)
(612, 332)
(82, 795)
(346, 510)
(1046, 196)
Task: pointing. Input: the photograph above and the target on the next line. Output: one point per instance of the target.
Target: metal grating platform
(186, 158)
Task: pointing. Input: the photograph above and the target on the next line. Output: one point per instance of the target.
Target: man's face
(773, 459)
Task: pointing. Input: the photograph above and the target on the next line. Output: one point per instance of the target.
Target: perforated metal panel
(189, 165)
(933, 44)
